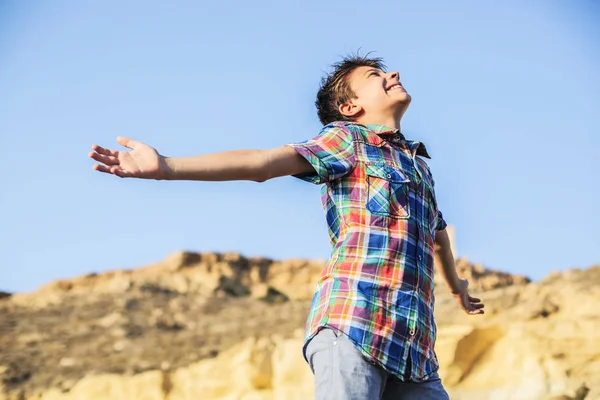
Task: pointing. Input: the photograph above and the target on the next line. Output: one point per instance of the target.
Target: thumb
(126, 142)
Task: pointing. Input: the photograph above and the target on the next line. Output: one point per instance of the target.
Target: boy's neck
(390, 122)
(388, 118)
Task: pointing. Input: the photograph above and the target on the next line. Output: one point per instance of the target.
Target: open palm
(142, 161)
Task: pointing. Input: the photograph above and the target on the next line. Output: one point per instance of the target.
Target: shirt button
(389, 175)
(420, 258)
(412, 332)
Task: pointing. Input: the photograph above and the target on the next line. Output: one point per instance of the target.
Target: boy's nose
(394, 75)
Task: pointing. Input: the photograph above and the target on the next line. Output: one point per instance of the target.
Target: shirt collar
(394, 136)
(381, 129)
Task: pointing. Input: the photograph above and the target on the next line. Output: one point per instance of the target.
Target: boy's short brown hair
(335, 88)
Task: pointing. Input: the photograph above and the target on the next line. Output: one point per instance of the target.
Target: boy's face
(378, 94)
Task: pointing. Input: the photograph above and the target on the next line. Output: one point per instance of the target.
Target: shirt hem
(365, 353)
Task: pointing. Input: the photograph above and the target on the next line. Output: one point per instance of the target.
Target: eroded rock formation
(222, 326)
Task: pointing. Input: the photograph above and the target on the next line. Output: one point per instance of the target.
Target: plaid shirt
(380, 206)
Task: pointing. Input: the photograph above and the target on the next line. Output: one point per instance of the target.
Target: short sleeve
(331, 154)
(441, 222)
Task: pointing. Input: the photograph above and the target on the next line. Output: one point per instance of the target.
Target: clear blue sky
(505, 95)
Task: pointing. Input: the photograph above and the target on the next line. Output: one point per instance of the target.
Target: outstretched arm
(143, 161)
(458, 287)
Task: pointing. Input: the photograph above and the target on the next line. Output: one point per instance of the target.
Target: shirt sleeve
(331, 154)
(441, 222)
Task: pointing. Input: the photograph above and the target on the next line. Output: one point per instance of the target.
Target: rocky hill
(222, 326)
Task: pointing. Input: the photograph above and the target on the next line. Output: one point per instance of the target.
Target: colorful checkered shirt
(380, 206)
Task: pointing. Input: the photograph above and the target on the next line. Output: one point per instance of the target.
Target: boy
(370, 333)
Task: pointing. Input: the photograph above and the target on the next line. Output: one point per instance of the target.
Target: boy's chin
(403, 101)
(405, 98)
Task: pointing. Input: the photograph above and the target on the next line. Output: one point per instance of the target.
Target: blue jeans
(343, 373)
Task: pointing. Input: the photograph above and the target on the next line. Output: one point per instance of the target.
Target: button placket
(405, 355)
(411, 332)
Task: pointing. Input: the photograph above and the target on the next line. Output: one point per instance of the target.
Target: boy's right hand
(142, 161)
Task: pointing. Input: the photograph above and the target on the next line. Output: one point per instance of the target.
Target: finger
(477, 306)
(101, 168)
(120, 172)
(106, 152)
(108, 160)
(126, 142)
(474, 299)
(472, 311)
(113, 170)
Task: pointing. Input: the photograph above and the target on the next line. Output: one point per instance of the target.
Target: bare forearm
(227, 166)
(251, 165)
(446, 265)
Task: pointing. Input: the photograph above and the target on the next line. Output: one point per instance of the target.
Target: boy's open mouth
(395, 86)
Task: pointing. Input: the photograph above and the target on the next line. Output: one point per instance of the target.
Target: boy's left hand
(470, 305)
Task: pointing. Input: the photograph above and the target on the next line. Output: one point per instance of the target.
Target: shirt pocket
(388, 191)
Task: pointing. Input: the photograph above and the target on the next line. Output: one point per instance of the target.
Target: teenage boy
(370, 333)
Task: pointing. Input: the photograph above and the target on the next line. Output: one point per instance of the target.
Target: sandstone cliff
(222, 326)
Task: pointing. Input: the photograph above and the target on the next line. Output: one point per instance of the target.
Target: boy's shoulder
(336, 125)
(358, 133)
(354, 130)
(349, 131)
(344, 125)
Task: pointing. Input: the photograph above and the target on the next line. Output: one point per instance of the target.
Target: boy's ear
(350, 109)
